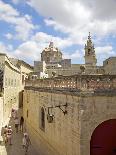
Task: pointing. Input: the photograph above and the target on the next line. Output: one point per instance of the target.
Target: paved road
(16, 147)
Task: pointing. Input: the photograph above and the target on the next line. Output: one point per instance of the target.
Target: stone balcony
(76, 83)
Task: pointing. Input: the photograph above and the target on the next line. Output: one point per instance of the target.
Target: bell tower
(90, 57)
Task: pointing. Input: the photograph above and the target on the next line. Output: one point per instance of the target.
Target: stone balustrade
(76, 82)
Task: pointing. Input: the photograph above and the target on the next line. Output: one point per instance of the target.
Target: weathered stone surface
(69, 134)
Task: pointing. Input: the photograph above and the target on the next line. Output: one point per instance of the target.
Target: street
(16, 147)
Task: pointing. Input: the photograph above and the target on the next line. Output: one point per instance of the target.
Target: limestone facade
(55, 65)
(109, 65)
(52, 62)
(12, 84)
(90, 57)
(90, 100)
(10, 87)
(51, 54)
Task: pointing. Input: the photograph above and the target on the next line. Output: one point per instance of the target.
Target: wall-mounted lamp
(50, 117)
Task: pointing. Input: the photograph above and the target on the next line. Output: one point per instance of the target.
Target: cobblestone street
(16, 147)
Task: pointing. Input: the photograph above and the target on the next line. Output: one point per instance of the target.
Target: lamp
(50, 117)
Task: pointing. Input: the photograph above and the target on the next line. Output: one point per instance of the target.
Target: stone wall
(97, 109)
(63, 135)
(69, 134)
(11, 89)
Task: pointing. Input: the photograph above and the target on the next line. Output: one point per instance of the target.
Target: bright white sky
(27, 27)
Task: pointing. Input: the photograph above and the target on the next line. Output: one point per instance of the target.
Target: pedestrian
(26, 142)
(5, 134)
(12, 113)
(15, 113)
(9, 135)
(16, 121)
(21, 123)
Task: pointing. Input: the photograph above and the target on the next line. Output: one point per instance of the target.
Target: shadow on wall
(16, 148)
(21, 98)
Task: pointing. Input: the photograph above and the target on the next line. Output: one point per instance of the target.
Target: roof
(109, 58)
(26, 64)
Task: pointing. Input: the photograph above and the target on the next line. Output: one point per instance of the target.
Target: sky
(27, 27)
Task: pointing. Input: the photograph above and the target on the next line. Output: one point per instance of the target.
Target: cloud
(103, 53)
(15, 1)
(33, 48)
(75, 55)
(29, 49)
(77, 17)
(9, 36)
(44, 38)
(3, 48)
(105, 50)
(6, 49)
(23, 25)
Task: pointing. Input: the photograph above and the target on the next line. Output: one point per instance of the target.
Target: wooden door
(103, 140)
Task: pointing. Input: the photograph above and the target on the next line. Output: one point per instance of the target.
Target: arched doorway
(103, 139)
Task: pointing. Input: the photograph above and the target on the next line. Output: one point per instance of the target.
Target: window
(6, 82)
(23, 79)
(89, 50)
(42, 119)
(15, 83)
(27, 113)
(11, 82)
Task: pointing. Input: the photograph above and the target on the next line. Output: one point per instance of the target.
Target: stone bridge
(63, 114)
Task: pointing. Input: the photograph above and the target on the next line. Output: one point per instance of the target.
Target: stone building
(90, 56)
(12, 80)
(109, 65)
(52, 62)
(51, 54)
(72, 115)
(25, 70)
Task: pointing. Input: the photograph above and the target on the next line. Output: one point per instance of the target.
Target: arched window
(42, 119)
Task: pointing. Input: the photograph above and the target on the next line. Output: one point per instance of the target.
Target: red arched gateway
(103, 139)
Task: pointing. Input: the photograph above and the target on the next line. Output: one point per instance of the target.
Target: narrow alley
(16, 147)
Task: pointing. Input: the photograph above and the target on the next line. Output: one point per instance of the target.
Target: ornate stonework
(90, 57)
(51, 54)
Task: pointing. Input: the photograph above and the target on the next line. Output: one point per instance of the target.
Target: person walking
(16, 121)
(26, 142)
(5, 134)
(21, 123)
(9, 135)
(14, 113)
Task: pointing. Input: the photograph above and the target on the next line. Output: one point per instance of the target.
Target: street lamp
(50, 117)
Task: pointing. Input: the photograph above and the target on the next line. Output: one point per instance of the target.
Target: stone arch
(103, 139)
(96, 110)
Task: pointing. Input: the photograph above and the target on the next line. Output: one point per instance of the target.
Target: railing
(76, 82)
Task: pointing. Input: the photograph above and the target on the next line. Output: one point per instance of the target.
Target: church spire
(89, 37)
(51, 44)
(90, 57)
